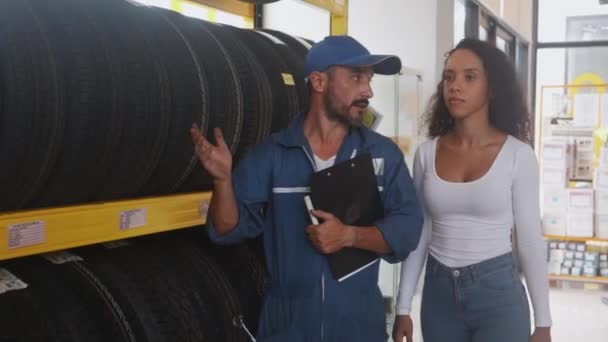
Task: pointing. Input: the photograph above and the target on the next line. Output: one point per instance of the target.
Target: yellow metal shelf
(39, 231)
(581, 279)
(573, 238)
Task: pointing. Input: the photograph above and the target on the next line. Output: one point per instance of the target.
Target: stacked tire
(166, 287)
(97, 98)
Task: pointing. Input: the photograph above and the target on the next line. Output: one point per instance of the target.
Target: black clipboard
(349, 191)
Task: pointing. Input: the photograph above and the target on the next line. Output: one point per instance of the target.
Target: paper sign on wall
(586, 109)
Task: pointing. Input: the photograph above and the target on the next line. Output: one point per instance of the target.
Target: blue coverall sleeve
(252, 187)
(402, 223)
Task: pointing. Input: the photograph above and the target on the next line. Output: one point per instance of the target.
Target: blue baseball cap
(346, 51)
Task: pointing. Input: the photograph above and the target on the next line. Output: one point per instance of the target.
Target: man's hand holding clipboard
(331, 235)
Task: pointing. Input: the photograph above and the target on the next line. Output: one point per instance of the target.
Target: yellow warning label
(288, 79)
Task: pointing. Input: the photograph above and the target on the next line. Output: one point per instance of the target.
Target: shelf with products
(45, 230)
(574, 238)
(573, 131)
(581, 279)
(573, 162)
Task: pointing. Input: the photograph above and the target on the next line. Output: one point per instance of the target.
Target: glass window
(584, 65)
(483, 33)
(571, 66)
(501, 44)
(572, 20)
(505, 41)
(460, 15)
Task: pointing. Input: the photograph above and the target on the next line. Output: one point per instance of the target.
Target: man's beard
(341, 113)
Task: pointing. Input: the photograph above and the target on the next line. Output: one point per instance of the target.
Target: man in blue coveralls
(265, 194)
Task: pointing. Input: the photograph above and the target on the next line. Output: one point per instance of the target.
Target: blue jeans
(484, 302)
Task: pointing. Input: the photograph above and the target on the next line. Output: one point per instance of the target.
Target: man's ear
(318, 81)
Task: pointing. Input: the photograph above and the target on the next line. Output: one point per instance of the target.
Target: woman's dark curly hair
(507, 109)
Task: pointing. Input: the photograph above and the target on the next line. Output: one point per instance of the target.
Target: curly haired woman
(477, 180)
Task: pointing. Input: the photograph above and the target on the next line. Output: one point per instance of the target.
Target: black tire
(167, 290)
(255, 86)
(144, 105)
(187, 98)
(284, 94)
(92, 124)
(226, 110)
(31, 119)
(293, 59)
(295, 43)
(245, 270)
(57, 305)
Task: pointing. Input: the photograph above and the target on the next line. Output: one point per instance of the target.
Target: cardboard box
(557, 177)
(600, 205)
(583, 170)
(590, 271)
(591, 263)
(569, 255)
(576, 271)
(592, 256)
(583, 160)
(557, 255)
(601, 226)
(580, 224)
(555, 268)
(580, 201)
(603, 157)
(555, 199)
(555, 223)
(557, 153)
(584, 144)
(601, 178)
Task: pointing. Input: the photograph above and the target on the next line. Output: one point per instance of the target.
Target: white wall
(406, 28)
(298, 18)
(411, 30)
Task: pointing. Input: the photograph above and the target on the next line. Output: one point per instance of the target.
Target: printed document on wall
(586, 109)
(604, 110)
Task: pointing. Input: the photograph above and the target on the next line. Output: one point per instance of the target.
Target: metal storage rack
(39, 231)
